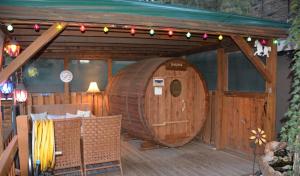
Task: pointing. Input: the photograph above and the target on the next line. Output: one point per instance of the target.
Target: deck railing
(7, 164)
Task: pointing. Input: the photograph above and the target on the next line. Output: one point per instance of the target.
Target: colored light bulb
(249, 39)
(188, 35)
(105, 29)
(132, 31)
(36, 27)
(151, 32)
(10, 28)
(205, 36)
(263, 42)
(59, 27)
(275, 41)
(220, 37)
(170, 33)
(82, 28)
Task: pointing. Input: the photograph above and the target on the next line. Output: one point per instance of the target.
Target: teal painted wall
(49, 70)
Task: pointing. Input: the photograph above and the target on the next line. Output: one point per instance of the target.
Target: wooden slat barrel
(160, 99)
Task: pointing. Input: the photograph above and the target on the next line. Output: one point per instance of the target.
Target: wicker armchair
(101, 143)
(67, 141)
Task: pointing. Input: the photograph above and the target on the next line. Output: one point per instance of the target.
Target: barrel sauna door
(172, 112)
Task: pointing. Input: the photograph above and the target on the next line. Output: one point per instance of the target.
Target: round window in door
(175, 87)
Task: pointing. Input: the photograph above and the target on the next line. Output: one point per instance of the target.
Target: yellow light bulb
(105, 29)
(59, 27)
(220, 37)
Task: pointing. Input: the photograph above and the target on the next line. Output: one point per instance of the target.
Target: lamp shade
(20, 93)
(12, 48)
(93, 88)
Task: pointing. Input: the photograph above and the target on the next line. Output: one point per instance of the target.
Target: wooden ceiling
(118, 43)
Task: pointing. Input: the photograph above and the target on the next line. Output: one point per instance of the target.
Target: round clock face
(66, 76)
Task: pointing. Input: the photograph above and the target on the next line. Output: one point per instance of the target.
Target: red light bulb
(205, 36)
(170, 33)
(263, 42)
(36, 27)
(82, 28)
(132, 31)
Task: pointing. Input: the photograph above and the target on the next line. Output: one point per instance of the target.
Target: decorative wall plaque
(179, 65)
(175, 88)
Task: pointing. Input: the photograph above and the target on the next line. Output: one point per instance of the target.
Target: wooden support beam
(197, 49)
(66, 85)
(31, 50)
(270, 120)
(23, 143)
(222, 86)
(256, 61)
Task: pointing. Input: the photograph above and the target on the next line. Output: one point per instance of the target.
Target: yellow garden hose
(43, 148)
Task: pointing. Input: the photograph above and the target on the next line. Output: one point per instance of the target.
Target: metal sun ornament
(32, 72)
(258, 136)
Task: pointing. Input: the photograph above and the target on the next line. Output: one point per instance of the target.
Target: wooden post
(23, 142)
(2, 38)
(222, 85)
(31, 50)
(66, 85)
(269, 123)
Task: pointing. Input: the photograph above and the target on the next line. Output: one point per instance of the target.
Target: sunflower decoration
(258, 136)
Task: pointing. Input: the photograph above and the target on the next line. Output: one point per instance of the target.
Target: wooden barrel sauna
(162, 99)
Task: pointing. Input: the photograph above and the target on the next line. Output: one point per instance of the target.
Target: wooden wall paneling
(31, 50)
(23, 143)
(270, 121)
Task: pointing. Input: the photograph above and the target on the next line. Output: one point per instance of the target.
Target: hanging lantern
(7, 88)
(20, 93)
(12, 48)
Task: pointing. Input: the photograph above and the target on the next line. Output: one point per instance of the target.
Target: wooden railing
(7, 165)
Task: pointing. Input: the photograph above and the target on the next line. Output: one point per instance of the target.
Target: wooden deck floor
(193, 159)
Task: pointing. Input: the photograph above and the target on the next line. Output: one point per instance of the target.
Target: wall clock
(66, 76)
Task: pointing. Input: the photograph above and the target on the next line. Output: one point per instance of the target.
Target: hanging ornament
(220, 37)
(249, 39)
(263, 42)
(132, 31)
(170, 33)
(275, 41)
(188, 35)
(205, 36)
(20, 93)
(32, 71)
(12, 48)
(7, 88)
(10, 28)
(82, 28)
(151, 32)
(36, 27)
(105, 29)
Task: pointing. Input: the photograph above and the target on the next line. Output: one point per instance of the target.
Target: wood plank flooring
(193, 159)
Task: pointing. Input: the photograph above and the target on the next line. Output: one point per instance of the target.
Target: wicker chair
(101, 143)
(67, 141)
